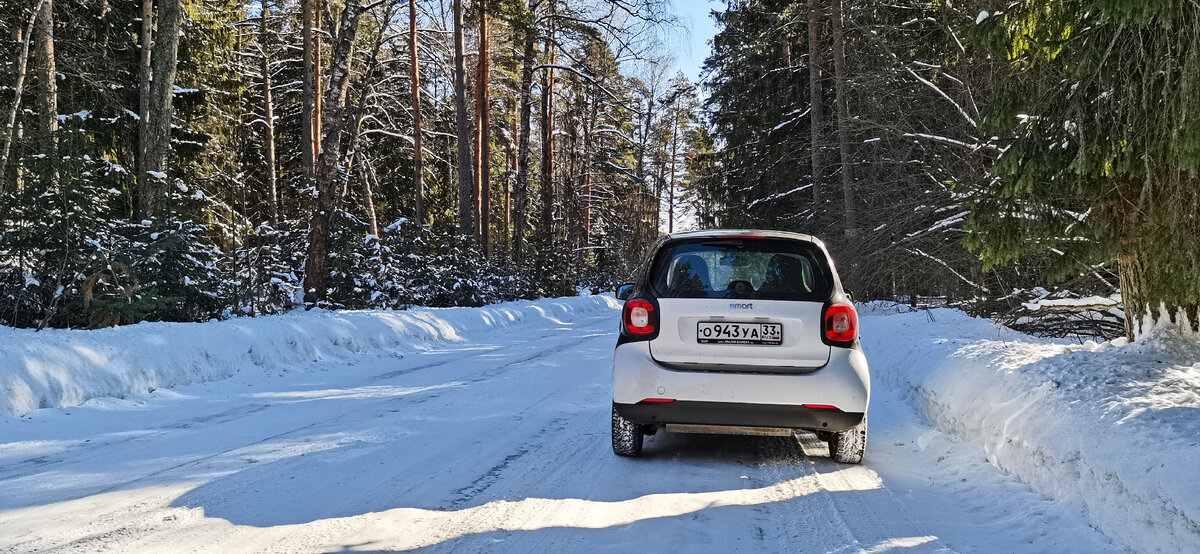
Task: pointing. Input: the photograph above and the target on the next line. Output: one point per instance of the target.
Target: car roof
(719, 233)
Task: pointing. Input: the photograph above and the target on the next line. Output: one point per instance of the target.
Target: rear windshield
(768, 269)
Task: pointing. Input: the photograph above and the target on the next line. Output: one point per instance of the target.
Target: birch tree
(18, 89)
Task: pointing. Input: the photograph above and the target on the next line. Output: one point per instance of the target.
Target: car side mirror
(624, 291)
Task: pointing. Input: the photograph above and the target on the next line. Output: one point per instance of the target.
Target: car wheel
(626, 436)
(848, 446)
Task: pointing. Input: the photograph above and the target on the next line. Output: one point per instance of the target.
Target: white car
(739, 332)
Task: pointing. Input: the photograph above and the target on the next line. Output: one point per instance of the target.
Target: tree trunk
(418, 156)
(22, 71)
(316, 266)
(814, 95)
(368, 175)
(571, 160)
(547, 216)
(476, 144)
(318, 101)
(525, 94)
(269, 115)
(483, 139)
(447, 168)
(658, 186)
(843, 117)
(671, 193)
(466, 181)
(586, 170)
(162, 91)
(21, 175)
(1145, 309)
(143, 124)
(642, 175)
(510, 162)
(47, 93)
(308, 95)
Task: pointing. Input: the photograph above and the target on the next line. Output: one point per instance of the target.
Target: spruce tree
(1101, 149)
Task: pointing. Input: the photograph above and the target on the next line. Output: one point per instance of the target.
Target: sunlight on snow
(406, 528)
(413, 528)
(35, 447)
(905, 542)
(91, 355)
(375, 391)
(546, 314)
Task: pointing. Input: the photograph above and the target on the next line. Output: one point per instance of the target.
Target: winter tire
(848, 446)
(626, 436)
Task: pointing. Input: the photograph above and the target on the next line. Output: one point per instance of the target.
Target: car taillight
(640, 317)
(841, 323)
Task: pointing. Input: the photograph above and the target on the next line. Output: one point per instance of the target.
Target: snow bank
(1113, 427)
(60, 368)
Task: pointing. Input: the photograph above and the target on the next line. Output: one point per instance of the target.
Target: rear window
(767, 269)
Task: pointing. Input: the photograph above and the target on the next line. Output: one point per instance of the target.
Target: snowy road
(494, 444)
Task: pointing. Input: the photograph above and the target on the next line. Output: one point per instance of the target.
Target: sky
(692, 47)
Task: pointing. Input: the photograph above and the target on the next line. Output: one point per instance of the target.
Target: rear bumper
(739, 414)
(844, 382)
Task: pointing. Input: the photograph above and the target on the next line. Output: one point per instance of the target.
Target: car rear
(739, 331)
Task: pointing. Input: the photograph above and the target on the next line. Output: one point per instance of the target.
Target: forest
(1001, 156)
(185, 160)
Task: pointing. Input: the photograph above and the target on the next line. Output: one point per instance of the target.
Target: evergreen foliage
(77, 251)
(1100, 147)
(918, 156)
(912, 139)
(1052, 140)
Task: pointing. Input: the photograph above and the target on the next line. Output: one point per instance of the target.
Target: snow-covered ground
(62, 368)
(1112, 427)
(487, 429)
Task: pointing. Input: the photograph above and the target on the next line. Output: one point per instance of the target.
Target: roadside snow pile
(1114, 427)
(61, 368)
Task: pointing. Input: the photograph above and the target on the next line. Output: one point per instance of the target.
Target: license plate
(717, 332)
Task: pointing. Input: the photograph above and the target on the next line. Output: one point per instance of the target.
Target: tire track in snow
(794, 520)
(331, 422)
(468, 493)
(876, 524)
(39, 464)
